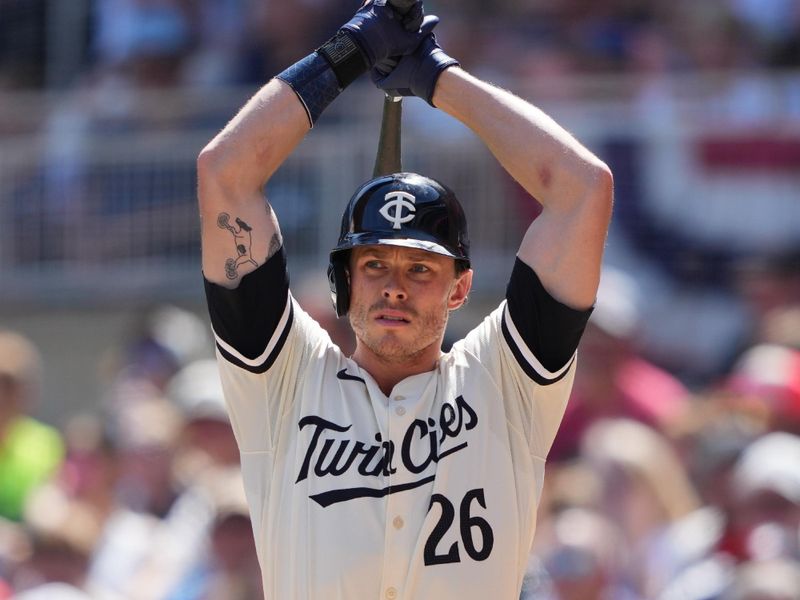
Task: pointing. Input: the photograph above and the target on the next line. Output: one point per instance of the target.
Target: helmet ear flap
(339, 282)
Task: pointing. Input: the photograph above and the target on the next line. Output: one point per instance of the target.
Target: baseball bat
(388, 159)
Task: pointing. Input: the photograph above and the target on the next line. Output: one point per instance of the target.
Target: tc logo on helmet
(392, 211)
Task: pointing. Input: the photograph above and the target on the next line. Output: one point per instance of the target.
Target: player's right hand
(382, 32)
(415, 74)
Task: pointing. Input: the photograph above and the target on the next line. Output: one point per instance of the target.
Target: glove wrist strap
(435, 71)
(344, 57)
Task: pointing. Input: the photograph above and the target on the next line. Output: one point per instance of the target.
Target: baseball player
(399, 471)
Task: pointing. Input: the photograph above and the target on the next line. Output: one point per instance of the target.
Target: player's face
(400, 300)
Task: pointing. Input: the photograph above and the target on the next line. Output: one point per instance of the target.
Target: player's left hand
(415, 74)
(382, 32)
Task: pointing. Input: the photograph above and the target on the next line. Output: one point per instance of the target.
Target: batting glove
(381, 32)
(415, 74)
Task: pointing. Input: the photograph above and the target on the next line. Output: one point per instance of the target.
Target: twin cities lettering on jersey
(424, 443)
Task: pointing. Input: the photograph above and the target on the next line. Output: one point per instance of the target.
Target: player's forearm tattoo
(243, 238)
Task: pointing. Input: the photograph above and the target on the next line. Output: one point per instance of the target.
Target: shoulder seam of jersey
(264, 361)
(527, 360)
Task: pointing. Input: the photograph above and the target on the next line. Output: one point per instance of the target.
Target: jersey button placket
(396, 505)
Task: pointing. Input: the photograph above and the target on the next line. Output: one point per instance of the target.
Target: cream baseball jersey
(430, 492)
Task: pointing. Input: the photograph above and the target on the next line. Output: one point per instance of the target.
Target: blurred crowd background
(676, 473)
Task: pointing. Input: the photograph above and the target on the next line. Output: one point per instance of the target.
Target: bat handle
(388, 159)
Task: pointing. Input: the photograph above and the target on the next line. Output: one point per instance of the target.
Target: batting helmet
(403, 209)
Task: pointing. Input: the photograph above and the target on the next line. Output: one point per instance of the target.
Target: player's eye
(419, 268)
(373, 264)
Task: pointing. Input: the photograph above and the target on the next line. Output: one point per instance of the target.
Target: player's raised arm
(239, 230)
(565, 244)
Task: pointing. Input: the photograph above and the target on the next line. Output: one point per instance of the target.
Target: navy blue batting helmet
(403, 209)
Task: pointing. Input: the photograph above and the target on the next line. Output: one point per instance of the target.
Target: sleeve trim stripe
(264, 367)
(271, 346)
(305, 106)
(524, 355)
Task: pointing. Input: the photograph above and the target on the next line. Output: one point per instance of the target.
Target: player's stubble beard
(387, 345)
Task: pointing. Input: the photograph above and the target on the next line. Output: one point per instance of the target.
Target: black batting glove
(381, 32)
(415, 74)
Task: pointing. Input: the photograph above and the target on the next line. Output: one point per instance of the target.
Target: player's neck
(389, 371)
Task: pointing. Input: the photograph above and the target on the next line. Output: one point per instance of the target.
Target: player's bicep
(238, 227)
(565, 248)
(237, 238)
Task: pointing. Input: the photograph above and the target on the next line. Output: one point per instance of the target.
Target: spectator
(207, 439)
(614, 380)
(770, 580)
(82, 502)
(163, 339)
(769, 374)
(585, 556)
(29, 450)
(229, 568)
(710, 438)
(646, 492)
(764, 519)
(55, 562)
(203, 465)
(144, 495)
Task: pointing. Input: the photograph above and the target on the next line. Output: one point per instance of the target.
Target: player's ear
(460, 290)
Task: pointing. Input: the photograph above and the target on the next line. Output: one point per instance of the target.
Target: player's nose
(393, 288)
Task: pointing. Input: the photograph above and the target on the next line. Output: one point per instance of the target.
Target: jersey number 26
(466, 524)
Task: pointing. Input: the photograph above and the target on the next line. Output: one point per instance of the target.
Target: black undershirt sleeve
(247, 318)
(550, 330)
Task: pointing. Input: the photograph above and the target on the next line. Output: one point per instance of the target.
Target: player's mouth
(392, 318)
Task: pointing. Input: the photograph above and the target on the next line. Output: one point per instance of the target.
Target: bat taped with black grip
(388, 159)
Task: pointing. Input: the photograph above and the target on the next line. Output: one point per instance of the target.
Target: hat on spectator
(196, 389)
(225, 489)
(181, 331)
(771, 463)
(616, 310)
(771, 371)
(149, 423)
